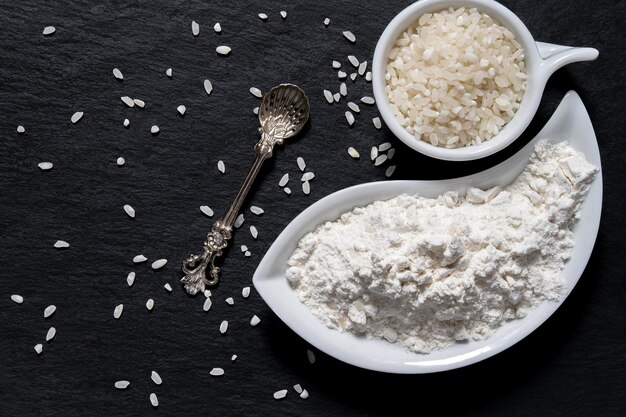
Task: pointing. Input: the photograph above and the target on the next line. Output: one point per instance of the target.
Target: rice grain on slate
(216, 372)
(311, 356)
(120, 161)
(391, 153)
(384, 146)
(349, 117)
(230, 301)
(326, 22)
(354, 107)
(247, 254)
(256, 210)
(254, 232)
(159, 263)
(154, 400)
(301, 164)
(336, 64)
(126, 122)
(287, 190)
(256, 92)
(139, 103)
(327, 95)
(181, 110)
(239, 221)
(367, 100)
(130, 279)
(150, 304)
(18, 299)
(380, 159)
(389, 171)
(207, 304)
(122, 384)
(297, 388)
(353, 61)
(349, 36)
(342, 74)
(455, 78)
(353, 76)
(304, 394)
(362, 67)
(52, 331)
(307, 176)
(368, 76)
(208, 86)
(245, 292)
(343, 89)
(373, 153)
(168, 72)
(129, 210)
(223, 326)
(254, 321)
(119, 309)
(139, 258)
(61, 244)
(353, 153)
(45, 166)
(49, 311)
(195, 28)
(76, 117)
(38, 348)
(128, 101)
(279, 395)
(118, 74)
(156, 378)
(217, 28)
(337, 97)
(206, 210)
(20, 129)
(221, 167)
(154, 129)
(306, 187)
(223, 50)
(49, 30)
(262, 16)
(168, 287)
(283, 14)
(377, 123)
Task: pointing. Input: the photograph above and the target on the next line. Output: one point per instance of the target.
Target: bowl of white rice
(461, 80)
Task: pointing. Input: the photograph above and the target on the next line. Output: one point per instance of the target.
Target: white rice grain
(349, 36)
(255, 110)
(223, 326)
(377, 123)
(304, 394)
(38, 348)
(49, 311)
(368, 76)
(217, 28)
(245, 292)
(301, 163)
(150, 304)
(233, 358)
(373, 153)
(130, 279)
(52, 331)
(221, 167)
(49, 30)
(60, 244)
(239, 221)
(118, 74)
(156, 378)
(77, 116)
(367, 100)
(207, 210)
(126, 122)
(283, 14)
(307, 176)
(287, 190)
(154, 400)
(353, 76)
(256, 210)
(380, 160)
(336, 64)
(311, 356)
(168, 72)
(139, 103)
(244, 248)
(168, 287)
(254, 320)
(129, 210)
(159, 263)
(256, 92)
(353, 61)
(122, 384)
(154, 129)
(139, 259)
(337, 97)
(353, 153)
(328, 96)
(349, 117)
(45, 166)
(208, 86)
(354, 107)
(120, 161)
(263, 16)
(326, 22)
(20, 129)
(306, 187)
(18, 299)
(230, 301)
(279, 395)
(119, 309)
(343, 89)
(254, 232)
(362, 67)
(216, 372)
(391, 153)
(297, 388)
(384, 146)
(195, 28)
(207, 304)
(247, 254)
(223, 50)
(341, 74)
(181, 110)
(128, 101)
(389, 171)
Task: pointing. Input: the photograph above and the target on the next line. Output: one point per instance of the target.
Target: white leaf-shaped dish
(570, 122)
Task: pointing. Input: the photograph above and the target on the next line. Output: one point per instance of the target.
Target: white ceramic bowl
(542, 60)
(570, 122)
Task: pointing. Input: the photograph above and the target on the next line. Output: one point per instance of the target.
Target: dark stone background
(574, 364)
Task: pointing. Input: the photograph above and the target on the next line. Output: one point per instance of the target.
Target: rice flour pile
(429, 272)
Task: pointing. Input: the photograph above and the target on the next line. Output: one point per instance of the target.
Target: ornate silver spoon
(283, 112)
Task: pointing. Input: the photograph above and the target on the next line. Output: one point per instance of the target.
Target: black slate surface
(573, 365)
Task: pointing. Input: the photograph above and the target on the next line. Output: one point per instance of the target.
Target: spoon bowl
(284, 111)
(570, 122)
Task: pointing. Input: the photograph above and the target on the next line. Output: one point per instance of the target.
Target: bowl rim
(537, 76)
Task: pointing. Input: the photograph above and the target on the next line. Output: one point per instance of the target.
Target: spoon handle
(218, 238)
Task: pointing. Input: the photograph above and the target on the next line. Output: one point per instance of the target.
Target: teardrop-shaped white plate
(570, 122)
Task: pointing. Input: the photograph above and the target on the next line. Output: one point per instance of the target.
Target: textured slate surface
(573, 365)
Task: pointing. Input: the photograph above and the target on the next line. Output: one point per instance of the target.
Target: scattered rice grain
(207, 210)
(337, 97)
(373, 153)
(49, 30)
(154, 129)
(256, 210)
(119, 309)
(354, 107)
(118, 74)
(129, 210)
(130, 279)
(326, 22)
(159, 263)
(120, 161)
(223, 326)
(353, 61)
(307, 176)
(18, 299)
(217, 372)
(263, 16)
(244, 248)
(349, 117)
(391, 153)
(368, 76)
(377, 122)
(256, 92)
(122, 384)
(207, 304)
(168, 287)
(195, 28)
(150, 304)
(305, 394)
(223, 50)
(306, 187)
(139, 103)
(239, 220)
(217, 28)
(38, 348)
(154, 400)
(389, 171)
(279, 395)
(49, 311)
(245, 292)
(181, 110)
(367, 100)
(311, 356)
(156, 378)
(336, 64)
(128, 101)
(301, 163)
(230, 301)
(126, 122)
(343, 89)
(254, 232)
(247, 254)
(221, 167)
(380, 160)
(139, 259)
(342, 74)
(60, 244)
(52, 331)
(353, 153)
(77, 116)
(287, 190)
(283, 14)
(208, 86)
(297, 388)
(255, 320)
(233, 358)
(384, 146)
(20, 129)
(349, 36)
(168, 72)
(353, 76)
(45, 166)
(362, 67)
(327, 95)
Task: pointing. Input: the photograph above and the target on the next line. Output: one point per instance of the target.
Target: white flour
(427, 273)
